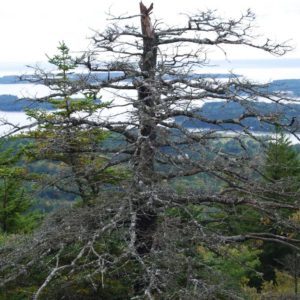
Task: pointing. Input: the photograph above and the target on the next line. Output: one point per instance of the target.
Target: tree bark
(144, 158)
(145, 153)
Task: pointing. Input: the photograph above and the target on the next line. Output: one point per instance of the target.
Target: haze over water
(257, 70)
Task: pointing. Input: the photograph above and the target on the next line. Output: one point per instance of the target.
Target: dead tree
(167, 89)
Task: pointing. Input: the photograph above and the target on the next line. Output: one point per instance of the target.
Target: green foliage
(63, 60)
(281, 183)
(237, 262)
(89, 282)
(282, 160)
(141, 243)
(283, 289)
(15, 203)
(75, 148)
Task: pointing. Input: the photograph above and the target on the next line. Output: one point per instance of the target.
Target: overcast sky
(31, 28)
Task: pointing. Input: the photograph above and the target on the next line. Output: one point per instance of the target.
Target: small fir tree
(75, 148)
(282, 161)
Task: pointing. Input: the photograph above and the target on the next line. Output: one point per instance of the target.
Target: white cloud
(31, 28)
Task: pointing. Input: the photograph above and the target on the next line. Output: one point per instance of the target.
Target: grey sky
(31, 28)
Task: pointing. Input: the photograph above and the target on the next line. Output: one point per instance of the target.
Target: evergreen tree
(281, 173)
(15, 203)
(76, 148)
(282, 161)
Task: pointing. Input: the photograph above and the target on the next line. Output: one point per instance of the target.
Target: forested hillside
(161, 190)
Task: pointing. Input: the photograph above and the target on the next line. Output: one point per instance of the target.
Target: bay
(24, 90)
(122, 101)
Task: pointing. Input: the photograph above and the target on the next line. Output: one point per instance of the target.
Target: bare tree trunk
(145, 153)
(144, 158)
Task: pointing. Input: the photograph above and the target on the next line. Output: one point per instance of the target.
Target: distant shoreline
(291, 62)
